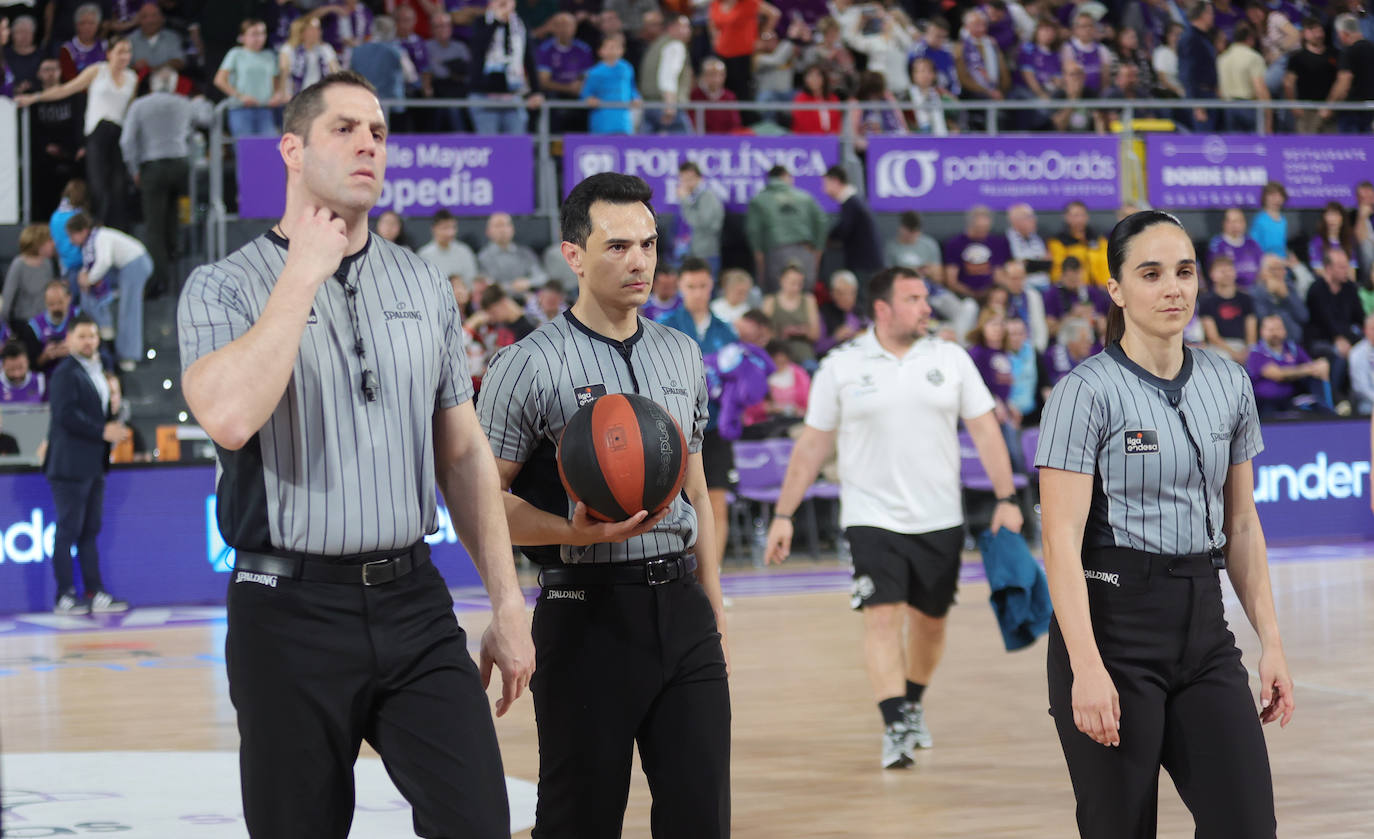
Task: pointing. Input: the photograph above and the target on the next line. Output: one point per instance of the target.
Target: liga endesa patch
(1142, 441)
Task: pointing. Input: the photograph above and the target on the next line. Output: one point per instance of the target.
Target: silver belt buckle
(659, 571)
(381, 567)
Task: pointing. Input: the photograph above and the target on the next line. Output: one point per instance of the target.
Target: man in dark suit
(857, 230)
(79, 438)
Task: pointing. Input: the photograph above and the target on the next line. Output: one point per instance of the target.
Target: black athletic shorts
(920, 569)
(718, 461)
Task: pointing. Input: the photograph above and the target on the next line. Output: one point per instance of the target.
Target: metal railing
(546, 171)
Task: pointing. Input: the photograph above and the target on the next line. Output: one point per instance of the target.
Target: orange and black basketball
(620, 454)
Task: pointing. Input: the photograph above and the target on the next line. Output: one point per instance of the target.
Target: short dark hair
(758, 318)
(779, 171)
(1071, 263)
(910, 219)
(838, 173)
(611, 187)
(1223, 258)
(694, 263)
(79, 222)
(880, 284)
(1330, 252)
(13, 349)
(1313, 22)
(1198, 9)
(552, 285)
(776, 347)
(441, 215)
(305, 106)
(689, 166)
(82, 319)
(491, 295)
(1242, 33)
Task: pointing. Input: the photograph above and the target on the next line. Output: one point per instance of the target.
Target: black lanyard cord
(1213, 550)
(370, 386)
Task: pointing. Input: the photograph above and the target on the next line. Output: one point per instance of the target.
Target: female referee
(1146, 484)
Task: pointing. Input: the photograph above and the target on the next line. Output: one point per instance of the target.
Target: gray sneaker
(914, 720)
(895, 753)
(70, 604)
(102, 603)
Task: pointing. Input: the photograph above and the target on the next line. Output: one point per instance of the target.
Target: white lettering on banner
(460, 189)
(28, 541)
(1214, 175)
(734, 173)
(893, 175)
(1315, 481)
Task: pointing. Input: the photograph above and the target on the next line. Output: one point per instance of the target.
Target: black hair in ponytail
(1126, 230)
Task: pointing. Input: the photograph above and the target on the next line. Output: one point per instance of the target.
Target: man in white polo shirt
(892, 399)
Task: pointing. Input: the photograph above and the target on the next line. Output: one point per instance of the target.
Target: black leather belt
(655, 572)
(365, 570)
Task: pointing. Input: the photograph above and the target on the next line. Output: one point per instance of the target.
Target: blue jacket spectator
(611, 80)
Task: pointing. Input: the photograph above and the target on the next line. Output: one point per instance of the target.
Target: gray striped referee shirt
(1112, 419)
(331, 473)
(535, 385)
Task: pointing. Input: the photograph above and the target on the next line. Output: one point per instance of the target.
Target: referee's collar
(605, 339)
(345, 264)
(1173, 385)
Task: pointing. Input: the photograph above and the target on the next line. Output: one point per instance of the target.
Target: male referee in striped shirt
(628, 626)
(328, 366)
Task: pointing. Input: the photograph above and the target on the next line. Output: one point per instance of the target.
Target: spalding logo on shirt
(1144, 441)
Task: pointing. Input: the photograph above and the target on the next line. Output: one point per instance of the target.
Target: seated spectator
(1084, 50)
(1024, 400)
(1026, 244)
(251, 74)
(1129, 51)
(1245, 253)
(841, 318)
(915, 250)
(1361, 370)
(85, 49)
(1126, 84)
(1025, 304)
(1335, 316)
(1284, 377)
(154, 46)
(1074, 343)
(556, 267)
(1072, 292)
(506, 316)
(1362, 224)
(755, 328)
(20, 383)
(833, 58)
(664, 298)
(510, 264)
(1070, 114)
(880, 113)
(1079, 239)
(391, 227)
(22, 55)
(446, 251)
(1228, 314)
(926, 101)
(1039, 72)
(983, 72)
(611, 81)
(987, 348)
(1333, 231)
(974, 258)
(46, 333)
(711, 88)
(1277, 294)
(1309, 76)
(28, 276)
(701, 217)
(348, 23)
(450, 63)
(789, 387)
(694, 317)
(421, 86)
(733, 302)
(665, 80)
(1164, 61)
(816, 88)
(795, 315)
(503, 70)
(113, 261)
(1269, 226)
(548, 303)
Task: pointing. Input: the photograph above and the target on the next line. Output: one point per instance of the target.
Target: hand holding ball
(620, 454)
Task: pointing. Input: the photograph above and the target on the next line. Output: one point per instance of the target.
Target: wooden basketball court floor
(127, 728)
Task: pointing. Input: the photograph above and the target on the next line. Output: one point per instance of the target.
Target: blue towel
(1020, 592)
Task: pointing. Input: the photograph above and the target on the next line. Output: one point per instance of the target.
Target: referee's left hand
(1276, 688)
(508, 645)
(1007, 515)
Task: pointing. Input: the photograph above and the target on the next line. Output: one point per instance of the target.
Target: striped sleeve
(212, 313)
(1246, 438)
(509, 404)
(1071, 428)
(455, 377)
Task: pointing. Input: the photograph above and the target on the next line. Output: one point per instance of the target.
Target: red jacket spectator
(816, 88)
(711, 88)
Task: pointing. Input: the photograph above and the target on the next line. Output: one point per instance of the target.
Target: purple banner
(734, 167)
(1312, 482)
(424, 173)
(159, 543)
(1229, 170)
(914, 172)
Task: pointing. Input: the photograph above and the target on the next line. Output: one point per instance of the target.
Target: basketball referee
(627, 629)
(1147, 492)
(328, 366)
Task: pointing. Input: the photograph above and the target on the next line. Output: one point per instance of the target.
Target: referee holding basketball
(627, 630)
(1147, 492)
(328, 366)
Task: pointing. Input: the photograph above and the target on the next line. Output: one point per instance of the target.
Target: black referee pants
(315, 668)
(1185, 704)
(620, 664)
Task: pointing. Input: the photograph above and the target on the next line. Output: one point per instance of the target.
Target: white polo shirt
(898, 430)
